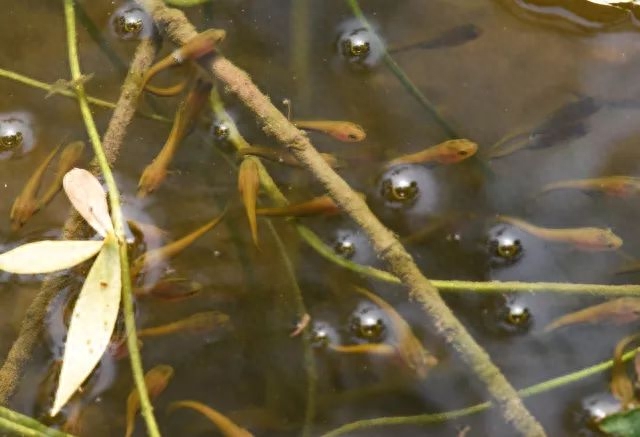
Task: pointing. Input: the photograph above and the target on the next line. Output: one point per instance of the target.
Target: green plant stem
(22, 425)
(118, 221)
(268, 184)
(468, 286)
(309, 361)
(25, 80)
(400, 74)
(426, 419)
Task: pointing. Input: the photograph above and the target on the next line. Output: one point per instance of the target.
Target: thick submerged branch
(384, 241)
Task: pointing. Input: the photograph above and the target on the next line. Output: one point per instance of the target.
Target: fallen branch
(384, 241)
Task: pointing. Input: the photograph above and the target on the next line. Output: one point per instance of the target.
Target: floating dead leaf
(88, 197)
(48, 256)
(92, 323)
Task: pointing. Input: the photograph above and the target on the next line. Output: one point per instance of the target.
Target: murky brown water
(523, 65)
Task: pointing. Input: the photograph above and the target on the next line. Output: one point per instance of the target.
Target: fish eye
(463, 152)
(353, 136)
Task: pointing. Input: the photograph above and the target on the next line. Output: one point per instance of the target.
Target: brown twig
(384, 241)
(74, 227)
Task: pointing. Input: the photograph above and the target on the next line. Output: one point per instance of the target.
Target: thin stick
(384, 241)
(118, 220)
(426, 419)
(25, 80)
(309, 361)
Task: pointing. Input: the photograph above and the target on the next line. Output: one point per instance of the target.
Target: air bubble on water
(16, 134)
(504, 245)
(508, 314)
(220, 131)
(357, 46)
(368, 324)
(323, 334)
(408, 187)
(130, 22)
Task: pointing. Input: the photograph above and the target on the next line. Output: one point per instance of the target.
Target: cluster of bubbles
(131, 22)
(16, 134)
(366, 323)
(411, 188)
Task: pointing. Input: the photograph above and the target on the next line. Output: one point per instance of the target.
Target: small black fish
(564, 124)
(455, 36)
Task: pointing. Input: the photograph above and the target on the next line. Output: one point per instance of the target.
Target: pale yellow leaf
(88, 197)
(92, 323)
(48, 256)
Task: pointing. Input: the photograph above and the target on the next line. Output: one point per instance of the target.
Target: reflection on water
(539, 72)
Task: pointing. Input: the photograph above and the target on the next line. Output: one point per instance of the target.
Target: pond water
(492, 69)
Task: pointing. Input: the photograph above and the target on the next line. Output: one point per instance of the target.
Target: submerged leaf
(88, 197)
(92, 323)
(48, 256)
(625, 424)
